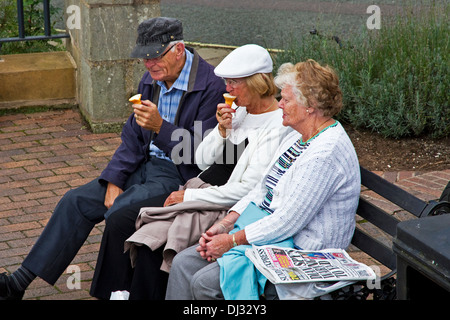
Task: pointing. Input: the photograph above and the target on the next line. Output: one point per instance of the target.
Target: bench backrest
(383, 220)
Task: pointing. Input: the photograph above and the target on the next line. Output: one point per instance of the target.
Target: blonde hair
(262, 84)
(315, 85)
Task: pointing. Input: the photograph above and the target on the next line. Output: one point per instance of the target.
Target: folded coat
(177, 227)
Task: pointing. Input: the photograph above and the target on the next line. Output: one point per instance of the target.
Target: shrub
(395, 80)
(34, 25)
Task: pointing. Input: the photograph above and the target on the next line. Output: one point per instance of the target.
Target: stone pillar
(101, 44)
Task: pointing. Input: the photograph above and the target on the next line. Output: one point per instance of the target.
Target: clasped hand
(214, 243)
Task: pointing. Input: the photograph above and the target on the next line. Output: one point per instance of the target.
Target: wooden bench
(387, 223)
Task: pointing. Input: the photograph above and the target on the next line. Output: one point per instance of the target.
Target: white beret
(245, 61)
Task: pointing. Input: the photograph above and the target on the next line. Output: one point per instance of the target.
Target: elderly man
(179, 92)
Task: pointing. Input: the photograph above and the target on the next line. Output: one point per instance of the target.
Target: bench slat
(392, 193)
(377, 216)
(374, 248)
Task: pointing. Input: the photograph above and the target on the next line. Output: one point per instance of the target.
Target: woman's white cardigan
(264, 132)
(315, 200)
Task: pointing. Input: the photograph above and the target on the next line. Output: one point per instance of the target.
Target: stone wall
(101, 46)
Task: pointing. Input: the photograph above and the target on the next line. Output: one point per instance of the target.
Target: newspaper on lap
(282, 266)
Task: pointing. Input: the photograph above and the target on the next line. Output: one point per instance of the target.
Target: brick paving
(43, 155)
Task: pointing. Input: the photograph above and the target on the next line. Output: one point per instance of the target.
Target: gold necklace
(274, 100)
(318, 129)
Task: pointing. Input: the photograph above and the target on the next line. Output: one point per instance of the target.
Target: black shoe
(6, 293)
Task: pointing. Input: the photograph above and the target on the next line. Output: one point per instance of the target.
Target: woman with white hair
(307, 197)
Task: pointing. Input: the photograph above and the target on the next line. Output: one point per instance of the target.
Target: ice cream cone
(229, 98)
(136, 99)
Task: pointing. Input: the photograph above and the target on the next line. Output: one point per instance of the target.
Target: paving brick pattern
(43, 155)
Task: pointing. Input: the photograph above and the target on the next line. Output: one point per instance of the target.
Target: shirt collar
(183, 79)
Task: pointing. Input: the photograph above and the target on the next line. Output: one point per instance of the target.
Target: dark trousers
(80, 209)
(113, 271)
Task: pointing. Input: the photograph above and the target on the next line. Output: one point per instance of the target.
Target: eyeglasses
(160, 57)
(232, 83)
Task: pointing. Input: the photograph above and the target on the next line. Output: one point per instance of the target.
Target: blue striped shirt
(278, 170)
(169, 99)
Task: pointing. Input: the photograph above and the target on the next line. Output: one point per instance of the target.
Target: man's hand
(147, 116)
(174, 198)
(112, 192)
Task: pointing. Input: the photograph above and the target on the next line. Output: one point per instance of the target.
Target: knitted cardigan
(316, 199)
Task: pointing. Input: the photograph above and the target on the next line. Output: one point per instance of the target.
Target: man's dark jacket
(199, 103)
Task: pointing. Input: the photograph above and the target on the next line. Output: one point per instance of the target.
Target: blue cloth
(239, 278)
(170, 98)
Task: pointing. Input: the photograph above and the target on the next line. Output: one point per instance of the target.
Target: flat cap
(245, 61)
(154, 35)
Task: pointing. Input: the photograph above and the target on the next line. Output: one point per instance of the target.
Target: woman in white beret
(233, 157)
(254, 118)
(307, 197)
